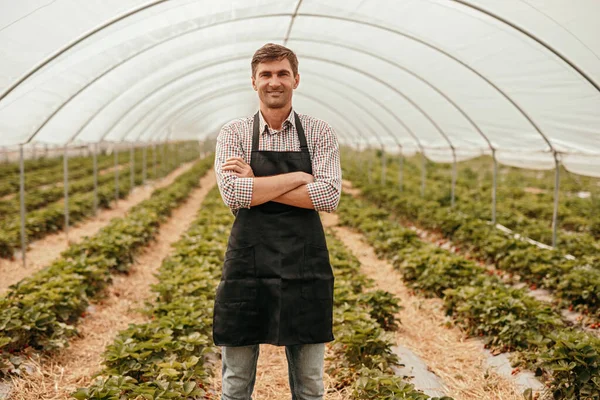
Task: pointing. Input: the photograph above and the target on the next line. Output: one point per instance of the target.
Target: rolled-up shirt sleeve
(236, 192)
(326, 190)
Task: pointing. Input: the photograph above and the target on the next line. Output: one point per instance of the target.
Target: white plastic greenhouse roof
(452, 78)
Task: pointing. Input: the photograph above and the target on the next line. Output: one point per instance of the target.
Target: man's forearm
(267, 188)
(298, 197)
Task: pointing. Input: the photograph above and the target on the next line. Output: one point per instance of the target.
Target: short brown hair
(274, 52)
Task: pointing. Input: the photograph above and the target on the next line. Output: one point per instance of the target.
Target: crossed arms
(290, 188)
(241, 189)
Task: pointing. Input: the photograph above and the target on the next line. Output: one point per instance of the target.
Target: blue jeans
(305, 371)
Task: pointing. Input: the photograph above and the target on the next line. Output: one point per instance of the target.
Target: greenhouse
(464, 239)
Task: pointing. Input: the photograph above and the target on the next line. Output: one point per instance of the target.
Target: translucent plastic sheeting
(452, 78)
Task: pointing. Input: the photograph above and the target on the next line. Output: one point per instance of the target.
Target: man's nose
(274, 82)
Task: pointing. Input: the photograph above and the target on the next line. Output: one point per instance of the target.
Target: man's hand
(238, 166)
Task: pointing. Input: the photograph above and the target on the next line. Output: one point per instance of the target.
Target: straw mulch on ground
(448, 353)
(57, 376)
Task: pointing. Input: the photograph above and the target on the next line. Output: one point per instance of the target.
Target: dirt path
(42, 252)
(58, 376)
(457, 360)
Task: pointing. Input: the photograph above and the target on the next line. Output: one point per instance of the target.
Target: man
(275, 171)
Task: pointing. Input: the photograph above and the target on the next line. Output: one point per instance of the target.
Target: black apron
(277, 283)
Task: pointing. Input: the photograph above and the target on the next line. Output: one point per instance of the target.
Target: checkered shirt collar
(263, 124)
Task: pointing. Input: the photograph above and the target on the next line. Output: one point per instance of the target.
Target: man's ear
(297, 79)
(254, 84)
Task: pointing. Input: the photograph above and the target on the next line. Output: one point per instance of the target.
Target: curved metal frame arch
(139, 9)
(183, 108)
(341, 133)
(154, 92)
(126, 59)
(193, 102)
(243, 57)
(374, 100)
(533, 37)
(358, 106)
(75, 42)
(146, 49)
(89, 120)
(400, 93)
(444, 52)
(152, 111)
(148, 113)
(412, 73)
(209, 96)
(415, 137)
(291, 25)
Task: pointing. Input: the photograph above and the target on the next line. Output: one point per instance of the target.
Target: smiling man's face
(275, 82)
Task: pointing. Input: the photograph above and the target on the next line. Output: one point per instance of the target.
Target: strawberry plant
(507, 319)
(40, 311)
(51, 218)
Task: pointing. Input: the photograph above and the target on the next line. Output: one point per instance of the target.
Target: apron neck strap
(299, 128)
(301, 135)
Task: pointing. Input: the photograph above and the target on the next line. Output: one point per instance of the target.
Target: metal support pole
(95, 162)
(401, 171)
(163, 159)
(66, 188)
(116, 174)
(495, 187)
(22, 201)
(370, 166)
(556, 190)
(155, 159)
(144, 162)
(356, 158)
(33, 151)
(200, 156)
(383, 166)
(423, 173)
(131, 168)
(45, 150)
(453, 190)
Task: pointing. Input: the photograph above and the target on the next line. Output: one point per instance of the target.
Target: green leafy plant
(40, 311)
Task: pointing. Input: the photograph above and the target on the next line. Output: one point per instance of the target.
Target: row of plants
(40, 312)
(40, 197)
(10, 170)
(575, 283)
(51, 218)
(45, 167)
(78, 167)
(13, 168)
(83, 166)
(507, 319)
(166, 357)
(522, 205)
(362, 356)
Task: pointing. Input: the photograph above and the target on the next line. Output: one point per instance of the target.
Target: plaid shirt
(235, 140)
